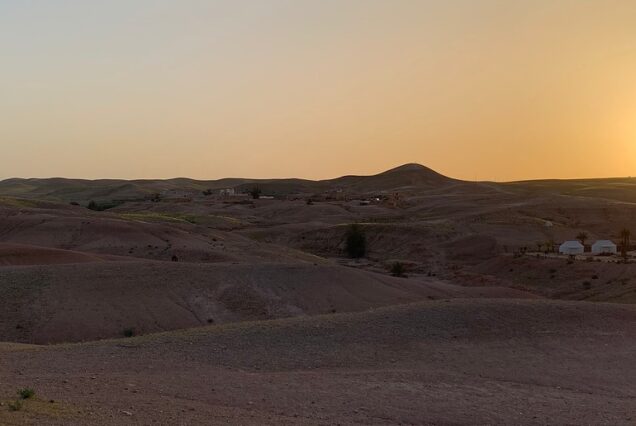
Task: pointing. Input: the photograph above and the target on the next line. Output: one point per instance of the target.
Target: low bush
(398, 270)
(16, 405)
(100, 207)
(26, 393)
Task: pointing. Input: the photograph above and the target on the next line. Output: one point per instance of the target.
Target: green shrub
(356, 242)
(15, 406)
(129, 332)
(26, 393)
(100, 207)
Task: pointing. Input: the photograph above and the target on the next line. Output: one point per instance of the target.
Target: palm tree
(625, 237)
(256, 192)
(549, 245)
(582, 237)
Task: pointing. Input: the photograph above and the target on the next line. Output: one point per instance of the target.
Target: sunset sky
(475, 89)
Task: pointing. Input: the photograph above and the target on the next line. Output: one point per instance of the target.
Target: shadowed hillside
(53, 303)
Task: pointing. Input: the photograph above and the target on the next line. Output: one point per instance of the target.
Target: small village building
(571, 248)
(604, 247)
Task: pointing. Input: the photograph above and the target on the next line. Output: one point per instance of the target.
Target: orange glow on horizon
(479, 90)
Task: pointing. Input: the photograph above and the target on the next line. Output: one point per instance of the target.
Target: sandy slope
(79, 229)
(61, 303)
(18, 254)
(463, 361)
(603, 281)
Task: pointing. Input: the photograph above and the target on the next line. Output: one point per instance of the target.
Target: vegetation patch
(159, 217)
(26, 393)
(356, 242)
(106, 205)
(15, 405)
(17, 202)
(398, 269)
(35, 411)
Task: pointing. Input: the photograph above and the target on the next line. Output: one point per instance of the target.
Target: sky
(475, 89)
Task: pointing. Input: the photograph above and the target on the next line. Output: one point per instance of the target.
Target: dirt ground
(201, 309)
(443, 362)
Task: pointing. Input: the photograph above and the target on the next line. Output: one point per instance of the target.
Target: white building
(604, 247)
(571, 248)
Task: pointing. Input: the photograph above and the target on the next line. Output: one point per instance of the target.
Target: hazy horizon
(310, 179)
(476, 90)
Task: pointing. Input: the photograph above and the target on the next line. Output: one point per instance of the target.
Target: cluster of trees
(625, 242)
(548, 246)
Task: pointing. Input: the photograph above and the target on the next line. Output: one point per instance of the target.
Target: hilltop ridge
(410, 175)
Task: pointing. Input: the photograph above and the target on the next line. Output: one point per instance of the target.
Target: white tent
(571, 248)
(604, 247)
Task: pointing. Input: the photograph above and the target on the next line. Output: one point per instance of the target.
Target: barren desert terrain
(237, 302)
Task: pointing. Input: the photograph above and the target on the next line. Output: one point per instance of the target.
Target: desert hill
(410, 176)
(621, 189)
(89, 301)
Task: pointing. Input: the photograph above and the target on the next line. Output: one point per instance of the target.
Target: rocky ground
(443, 362)
(236, 311)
